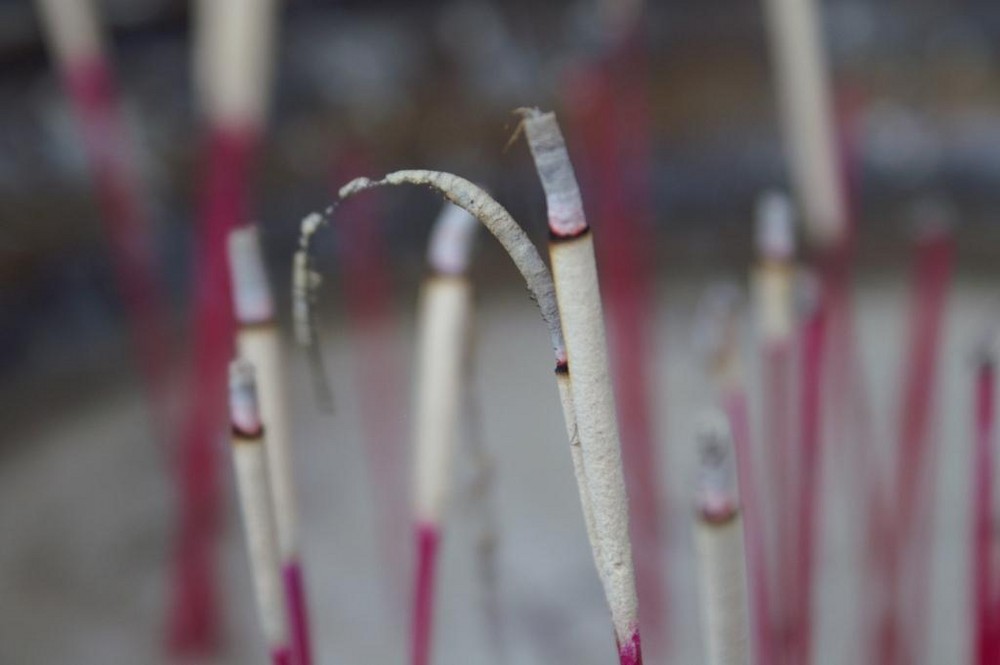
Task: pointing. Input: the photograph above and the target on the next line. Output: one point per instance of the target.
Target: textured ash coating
(562, 194)
(563, 381)
(580, 305)
(497, 220)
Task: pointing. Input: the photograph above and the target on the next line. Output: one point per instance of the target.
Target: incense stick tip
(252, 298)
(243, 403)
(775, 232)
(718, 496)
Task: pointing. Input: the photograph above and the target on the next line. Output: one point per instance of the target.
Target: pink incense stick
(72, 30)
(233, 67)
(428, 536)
(913, 482)
(983, 582)
(735, 406)
(194, 622)
(811, 367)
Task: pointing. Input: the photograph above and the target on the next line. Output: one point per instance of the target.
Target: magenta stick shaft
(630, 651)
(813, 342)
(735, 405)
(194, 628)
(93, 92)
(428, 536)
(983, 582)
(298, 612)
(914, 481)
(782, 448)
(283, 656)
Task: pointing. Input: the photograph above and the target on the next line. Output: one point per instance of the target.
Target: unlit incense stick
(442, 330)
(73, 36)
(719, 539)
(259, 342)
(252, 480)
(575, 273)
(233, 52)
(808, 128)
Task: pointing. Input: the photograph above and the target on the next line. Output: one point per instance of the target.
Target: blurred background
(88, 503)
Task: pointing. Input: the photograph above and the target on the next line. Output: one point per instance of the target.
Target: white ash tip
(252, 297)
(243, 404)
(555, 170)
(775, 230)
(450, 248)
(353, 187)
(717, 492)
(311, 223)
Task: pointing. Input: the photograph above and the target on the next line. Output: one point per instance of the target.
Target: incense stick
(719, 540)
(773, 282)
(259, 342)
(983, 579)
(442, 330)
(256, 504)
(807, 117)
(233, 50)
(73, 36)
(572, 254)
(914, 447)
(719, 331)
(608, 105)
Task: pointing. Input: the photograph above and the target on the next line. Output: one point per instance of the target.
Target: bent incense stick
(571, 250)
(250, 460)
(518, 246)
(983, 588)
(719, 538)
(915, 447)
(232, 57)
(718, 328)
(442, 329)
(258, 341)
(73, 36)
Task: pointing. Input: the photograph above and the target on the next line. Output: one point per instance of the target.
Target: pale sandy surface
(85, 513)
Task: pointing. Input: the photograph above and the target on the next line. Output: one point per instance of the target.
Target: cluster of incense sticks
(259, 344)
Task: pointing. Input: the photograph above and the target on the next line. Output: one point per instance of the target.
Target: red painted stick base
(428, 537)
(298, 612)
